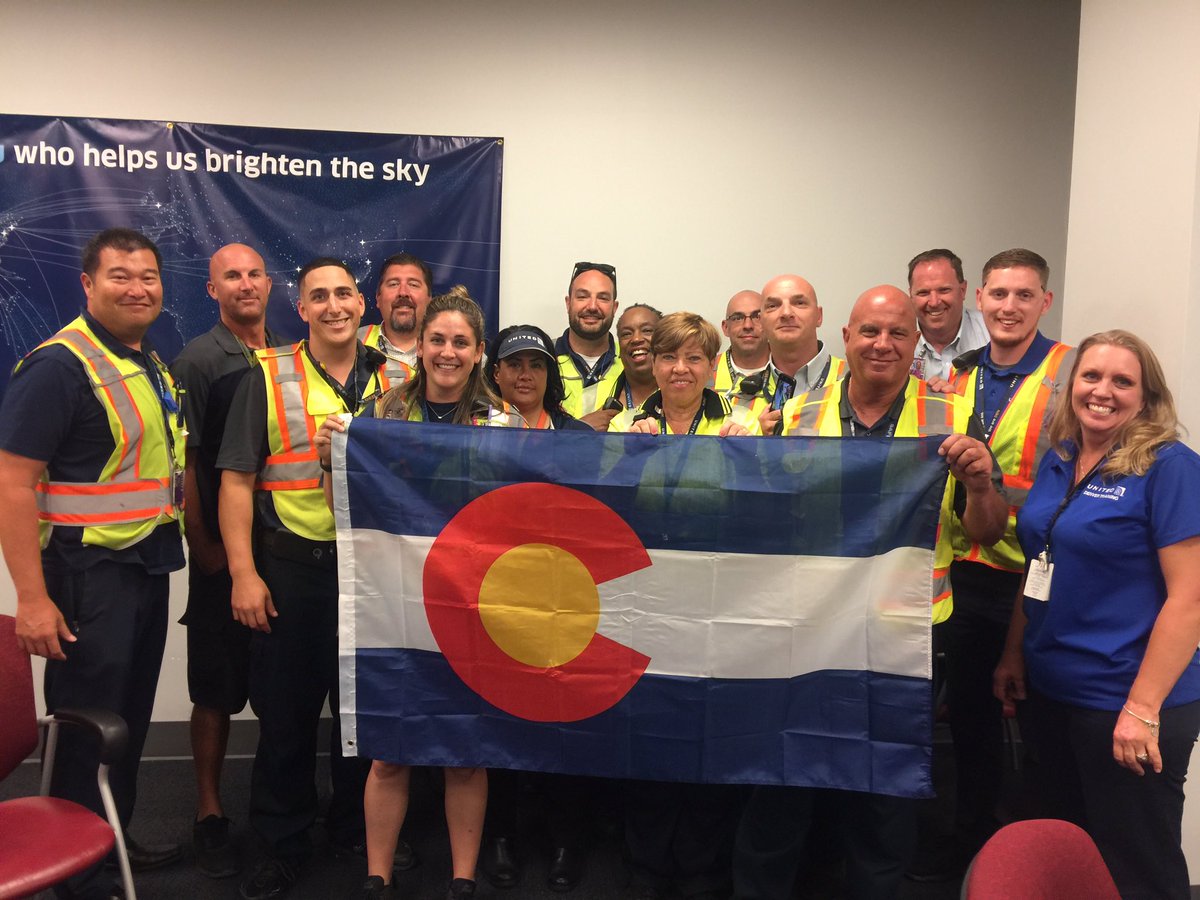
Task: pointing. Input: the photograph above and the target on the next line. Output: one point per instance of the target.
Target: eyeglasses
(739, 318)
(602, 268)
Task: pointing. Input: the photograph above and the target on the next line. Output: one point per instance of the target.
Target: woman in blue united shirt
(1104, 644)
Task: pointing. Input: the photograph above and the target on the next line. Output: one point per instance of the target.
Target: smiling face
(683, 373)
(938, 295)
(1107, 393)
(402, 298)
(449, 350)
(332, 306)
(635, 328)
(1012, 301)
(522, 378)
(238, 281)
(881, 338)
(125, 294)
(591, 304)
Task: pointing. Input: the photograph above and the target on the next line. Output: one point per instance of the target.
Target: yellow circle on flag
(539, 604)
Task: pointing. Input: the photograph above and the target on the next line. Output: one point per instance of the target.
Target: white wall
(703, 147)
(1133, 255)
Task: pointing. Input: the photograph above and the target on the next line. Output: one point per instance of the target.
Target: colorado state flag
(751, 610)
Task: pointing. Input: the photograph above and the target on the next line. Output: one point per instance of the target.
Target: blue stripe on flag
(749, 495)
(857, 731)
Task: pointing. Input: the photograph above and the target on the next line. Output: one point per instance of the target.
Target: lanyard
(543, 419)
(988, 428)
(699, 417)
(628, 395)
(1072, 493)
(782, 386)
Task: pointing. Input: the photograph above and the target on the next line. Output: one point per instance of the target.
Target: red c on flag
(510, 597)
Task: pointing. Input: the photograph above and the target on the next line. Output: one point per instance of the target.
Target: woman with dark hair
(1104, 642)
(448, 386)
(521, 363)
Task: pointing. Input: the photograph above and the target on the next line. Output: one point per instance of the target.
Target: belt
(293, 548)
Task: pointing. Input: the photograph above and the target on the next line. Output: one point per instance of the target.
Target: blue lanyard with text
(662, 421)
(980, 403)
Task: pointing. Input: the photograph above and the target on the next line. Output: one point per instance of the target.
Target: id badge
(1037, 582)
(177, 488)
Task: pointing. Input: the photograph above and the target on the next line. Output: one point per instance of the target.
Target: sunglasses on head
(602, 268)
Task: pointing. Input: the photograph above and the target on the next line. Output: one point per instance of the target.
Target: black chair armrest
(108, 727)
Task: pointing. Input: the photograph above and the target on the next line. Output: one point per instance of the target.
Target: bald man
(210, 368)
(748, 352)
(799, 361)
(876, 398)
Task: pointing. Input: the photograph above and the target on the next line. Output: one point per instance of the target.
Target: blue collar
(1027, 364)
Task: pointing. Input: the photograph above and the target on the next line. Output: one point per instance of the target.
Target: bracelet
(1152, 725)
(329, 468)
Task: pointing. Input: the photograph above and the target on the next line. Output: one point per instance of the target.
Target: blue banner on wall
(289, 193)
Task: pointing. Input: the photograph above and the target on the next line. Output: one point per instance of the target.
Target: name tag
(1037, 582)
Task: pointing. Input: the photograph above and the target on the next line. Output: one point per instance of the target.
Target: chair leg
(110, 811)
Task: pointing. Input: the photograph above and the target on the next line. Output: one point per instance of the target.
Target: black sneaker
(272, 878)
(374, 889)
(216, 856)
(461, 889)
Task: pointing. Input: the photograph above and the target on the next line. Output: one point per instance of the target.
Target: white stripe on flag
(698, 614)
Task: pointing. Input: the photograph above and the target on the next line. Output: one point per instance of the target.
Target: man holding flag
(877, 399)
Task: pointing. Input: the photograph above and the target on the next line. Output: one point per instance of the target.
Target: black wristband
(325, 468)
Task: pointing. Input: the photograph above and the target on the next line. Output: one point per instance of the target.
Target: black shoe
(566, 868)
(143, 857)
(374, 889)
(271, 878)
(944, 862)
(403, 859)
(499, 863)
(216, 856)
(461, 889)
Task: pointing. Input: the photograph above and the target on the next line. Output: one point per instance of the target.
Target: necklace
(439, 412)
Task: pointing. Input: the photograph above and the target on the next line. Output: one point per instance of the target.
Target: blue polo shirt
(1084, 646)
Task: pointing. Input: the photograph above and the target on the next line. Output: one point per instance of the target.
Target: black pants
(973, 638)
(680, 834)
(1135, 820)
(118, 613)
(877, 832)
(292, 672)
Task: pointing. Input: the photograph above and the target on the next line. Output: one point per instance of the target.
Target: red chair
(1039, 859)
(46, 840)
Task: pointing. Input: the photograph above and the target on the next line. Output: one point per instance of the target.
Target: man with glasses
(748, 352)
(587, 353)
(799, 362)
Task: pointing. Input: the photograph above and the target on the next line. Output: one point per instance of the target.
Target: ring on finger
(1143, 757)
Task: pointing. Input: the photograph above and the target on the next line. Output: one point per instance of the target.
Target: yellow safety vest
(394, 372)
(716, 411)
(580, 400)
(924, 413)
(139, 486)
(299, 399)
(1019, 441)
(754, 405)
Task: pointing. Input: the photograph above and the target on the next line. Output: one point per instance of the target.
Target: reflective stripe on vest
(580, 401)
(1019, 442)
(136, 485)
(298, 401)
(394, 372)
